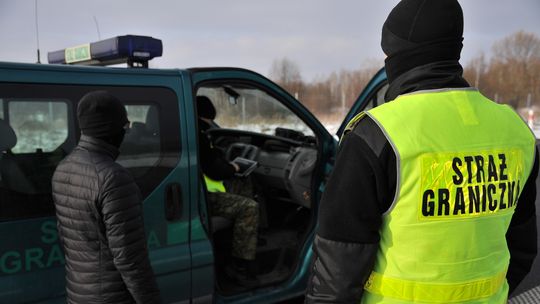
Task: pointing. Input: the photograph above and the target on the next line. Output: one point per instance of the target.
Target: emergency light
(130, 49)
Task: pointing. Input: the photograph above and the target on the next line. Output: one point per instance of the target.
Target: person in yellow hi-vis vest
(241, 210)
(432, 195)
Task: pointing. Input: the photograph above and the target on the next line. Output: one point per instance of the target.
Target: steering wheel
(242, 150)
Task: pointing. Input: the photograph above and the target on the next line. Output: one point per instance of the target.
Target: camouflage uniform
(244, 212)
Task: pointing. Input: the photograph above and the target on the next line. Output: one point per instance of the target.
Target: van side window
(32, 134)
(38, 128)
(151, 146)
(39, 125)
(141, 149)
(252, 109)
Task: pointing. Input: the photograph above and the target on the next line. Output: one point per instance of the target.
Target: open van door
(294, 153)
(371, 97)
(259, 120)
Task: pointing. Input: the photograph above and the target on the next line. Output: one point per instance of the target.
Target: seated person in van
(243, 211)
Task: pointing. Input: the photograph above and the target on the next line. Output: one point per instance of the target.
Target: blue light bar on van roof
(121, 49)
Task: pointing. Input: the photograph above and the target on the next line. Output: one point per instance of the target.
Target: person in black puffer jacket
(99, 212)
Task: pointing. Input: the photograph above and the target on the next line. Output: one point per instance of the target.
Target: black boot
(242, 272)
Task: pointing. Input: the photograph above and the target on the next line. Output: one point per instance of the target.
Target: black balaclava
(205, 109)
(419, 32)
(102, 115)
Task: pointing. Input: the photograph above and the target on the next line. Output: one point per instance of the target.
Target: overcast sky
(321, 36)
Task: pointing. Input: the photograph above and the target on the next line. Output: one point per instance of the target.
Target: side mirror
(233, 95)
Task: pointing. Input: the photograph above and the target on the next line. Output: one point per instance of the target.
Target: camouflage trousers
(244, 213)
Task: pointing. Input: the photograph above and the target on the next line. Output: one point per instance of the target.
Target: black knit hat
(418, 32)
(101, 115)
(205, 108)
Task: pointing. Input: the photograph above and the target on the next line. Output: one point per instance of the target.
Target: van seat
(8, 139)
(12, 175)
(220, 223)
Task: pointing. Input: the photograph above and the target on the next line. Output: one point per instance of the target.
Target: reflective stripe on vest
(462, 162)
(214, 185)
(434, 293)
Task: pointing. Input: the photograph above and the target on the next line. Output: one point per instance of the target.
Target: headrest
(152, 120)
(8, 139)
(205, 108)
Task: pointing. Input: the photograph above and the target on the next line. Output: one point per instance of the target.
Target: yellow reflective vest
(214, 185)
(462, 162)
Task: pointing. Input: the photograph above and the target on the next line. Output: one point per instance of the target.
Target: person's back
(100, 225)
(443, 238)
(432, 197)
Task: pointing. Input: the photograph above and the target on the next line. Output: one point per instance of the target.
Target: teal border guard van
(188, 246)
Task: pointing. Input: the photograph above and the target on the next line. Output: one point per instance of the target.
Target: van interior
(281, 183)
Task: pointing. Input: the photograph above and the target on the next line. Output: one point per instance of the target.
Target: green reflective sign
(78, 53)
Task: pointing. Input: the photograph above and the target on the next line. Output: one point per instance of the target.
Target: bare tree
(286, 73)
(515, 68)
(285, 70)
(518, 47)
(476, 69)
(511, 75)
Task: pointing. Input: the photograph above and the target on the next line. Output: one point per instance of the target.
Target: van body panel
(32, 261)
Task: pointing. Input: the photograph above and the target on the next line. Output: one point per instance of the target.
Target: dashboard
(285, 165)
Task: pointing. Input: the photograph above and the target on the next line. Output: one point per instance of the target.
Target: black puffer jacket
(100, 224)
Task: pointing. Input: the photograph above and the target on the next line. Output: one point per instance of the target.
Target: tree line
(511, 75)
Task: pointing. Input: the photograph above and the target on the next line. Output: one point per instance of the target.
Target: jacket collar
(99, 146)
(436, 75)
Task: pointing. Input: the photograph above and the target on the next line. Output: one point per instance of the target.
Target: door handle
(173, 202)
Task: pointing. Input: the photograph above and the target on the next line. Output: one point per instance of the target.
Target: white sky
(321, 36)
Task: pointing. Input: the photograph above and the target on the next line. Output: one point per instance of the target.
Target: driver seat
(205, 108)
(12, 176)
(219, 223)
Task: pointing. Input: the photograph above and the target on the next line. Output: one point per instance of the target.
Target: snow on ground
(536, 131)
(332, 127)
(269, 129)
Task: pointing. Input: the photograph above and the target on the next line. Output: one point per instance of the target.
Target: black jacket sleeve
(359, 191)
(522, 233)
(121, 208)
(339, 271)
